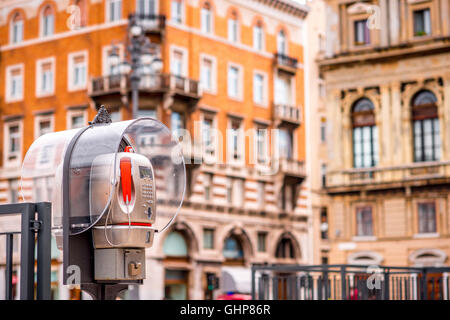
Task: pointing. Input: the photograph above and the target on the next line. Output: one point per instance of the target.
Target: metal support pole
(27, 253)
(343, 283)
(9, 266)
(253, 283)
(44, 251)
(386, 285)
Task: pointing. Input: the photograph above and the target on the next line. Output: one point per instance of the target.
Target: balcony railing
(292, 167)
(389, 175)
(287, 113)
(150, 22)
(285, 61)
(149, 82)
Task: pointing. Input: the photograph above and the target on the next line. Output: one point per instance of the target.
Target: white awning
(236, 279)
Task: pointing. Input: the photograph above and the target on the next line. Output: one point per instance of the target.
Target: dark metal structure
(35, 229)
(349, 282)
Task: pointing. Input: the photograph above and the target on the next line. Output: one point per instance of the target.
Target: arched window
(282, 43)
(16, 28)
(206, 18)
(233, 27)
(427, 141)
(47, 21)
(365, 134)
(285, 248)
(233, 249)
(175, 245)
(258, 36)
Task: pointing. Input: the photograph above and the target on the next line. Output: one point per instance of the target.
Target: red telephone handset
(125, 178)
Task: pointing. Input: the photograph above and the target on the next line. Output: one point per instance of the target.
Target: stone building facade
(386, 69)
(223, 60)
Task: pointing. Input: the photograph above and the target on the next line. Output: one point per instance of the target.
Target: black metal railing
(349, 282)
(286, 61)
(34, 229)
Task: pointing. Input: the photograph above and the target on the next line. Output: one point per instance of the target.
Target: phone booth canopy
(112, 187)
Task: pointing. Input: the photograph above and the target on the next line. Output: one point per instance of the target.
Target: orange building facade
(223, 62)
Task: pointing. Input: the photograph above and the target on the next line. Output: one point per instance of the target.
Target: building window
(114, 10)
(13, 190)
(259, 89)
(206, 18)
(323, 130)
(77, 70)
(422, 22)
(16, 35)
(261, 146)
(282, 43)
(258, 36)
(362, 32)
(323, 175)
(261, 194)
(146, 7)
(238, 192)
(285, 143)
(233, 27)
(177, 62)
(208, 238)
(147, 113)
(175, 245)
(233, 249)
(234, 80)
(207, 184)
(365, 134)
(207, 74)
(283, 89)
(45, 84)
(77, 119)
(13, 143)
(48, 21)
(427, 217)
(427, 140)
(235, 140)
(177, 11)
(288, 199)
(285, 249)
(177, 121)
(44, 125)
(14, 83)
(364, 221)
(208, 136)
(323, 224)
(262, 239)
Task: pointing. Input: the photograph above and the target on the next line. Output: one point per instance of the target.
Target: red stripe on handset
(125, 178)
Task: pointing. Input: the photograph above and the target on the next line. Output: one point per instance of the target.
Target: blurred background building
(226, 65)
(385, 68)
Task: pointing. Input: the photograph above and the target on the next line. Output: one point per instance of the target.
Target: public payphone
(113, 186)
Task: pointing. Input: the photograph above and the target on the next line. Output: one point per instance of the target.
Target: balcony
(287, 114)
(286, 63)
(417, 174)
(109, 89)
(292, 168)
(151, 23)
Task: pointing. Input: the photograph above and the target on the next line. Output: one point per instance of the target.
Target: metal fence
(349, 282)
(34, 229)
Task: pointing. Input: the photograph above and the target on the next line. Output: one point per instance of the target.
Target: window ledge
(426, 235)
(364, 238)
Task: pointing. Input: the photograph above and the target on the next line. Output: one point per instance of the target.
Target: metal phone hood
(79, 172)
